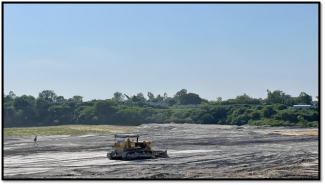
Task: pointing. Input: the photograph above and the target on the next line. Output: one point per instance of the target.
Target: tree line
(48, 109)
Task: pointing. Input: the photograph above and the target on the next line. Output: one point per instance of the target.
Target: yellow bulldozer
(126, 148)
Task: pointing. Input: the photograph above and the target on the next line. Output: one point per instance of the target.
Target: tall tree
(104, 109)
(160, 98)
(118, 96)
(179, 95)
(304, 98)
(190, 98)
(77, 99)
(48, 95)
(12, 95)
(60, 99)
(140, 97)
(170, 101)
(219, 100)
(276, 96)
(151, 96)
(165, 97)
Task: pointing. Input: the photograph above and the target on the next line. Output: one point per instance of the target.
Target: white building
(303, 107)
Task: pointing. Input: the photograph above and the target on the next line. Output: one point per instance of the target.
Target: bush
(255, 115)
(313, 124)
(255, 123)
(268, 111)
(288, 124)
(206, 119)
(315, 116)
(159, 118)
(275, 123)
(302, 122)
(149, 120)
(240, 120)
(189, 120)
(281, 107)
(288, 115)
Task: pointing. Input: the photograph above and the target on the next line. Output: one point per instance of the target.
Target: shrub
(255, 115)
(268, 111)
(288, 115)
(259, 107)
(240, 120)
(288, 124)
(281, 107)
(302, 122)
(255, 123)
(206, 119)
(313, 124)
(315, 116)
(189, 120)
(149, 120)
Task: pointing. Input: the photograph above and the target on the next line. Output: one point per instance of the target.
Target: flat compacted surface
(195, 152)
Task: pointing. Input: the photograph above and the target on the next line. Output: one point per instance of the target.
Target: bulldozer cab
(127, 142)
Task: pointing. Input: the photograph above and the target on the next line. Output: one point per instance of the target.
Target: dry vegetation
(68, 130)
(296, 133)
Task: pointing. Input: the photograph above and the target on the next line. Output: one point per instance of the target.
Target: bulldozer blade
(160, 154)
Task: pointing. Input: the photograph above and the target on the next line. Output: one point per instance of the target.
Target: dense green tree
(240, 120)
(268, 111)
(105, 106)
(304, 98)
(196, 114)
(218, 112)
(219, 100)
(48, 95)
(42, 105)
(60, 99)
(141, 97)
(62, 114)
(190, 98)
(179, 95)
(276, 96)
(117, 96)
(28, 111)
(255, 115)
(243, 98)
(170, 101)
(77, 99)
(206, 119)
(291, 101)
(87, 116)
(24, 102)
(12, 95)
(281, 107)
(159, 98)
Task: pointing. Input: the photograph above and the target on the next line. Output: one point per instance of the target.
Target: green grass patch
(67, 130)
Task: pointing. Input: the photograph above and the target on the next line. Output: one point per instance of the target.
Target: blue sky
(225, 50)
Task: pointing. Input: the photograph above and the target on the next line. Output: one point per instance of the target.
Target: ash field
(195, 152)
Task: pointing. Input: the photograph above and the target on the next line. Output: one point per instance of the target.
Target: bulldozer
(126, 148)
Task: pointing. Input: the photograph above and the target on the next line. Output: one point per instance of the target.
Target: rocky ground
(195, 152)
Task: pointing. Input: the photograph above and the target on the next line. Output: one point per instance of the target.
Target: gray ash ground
(195, 151)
